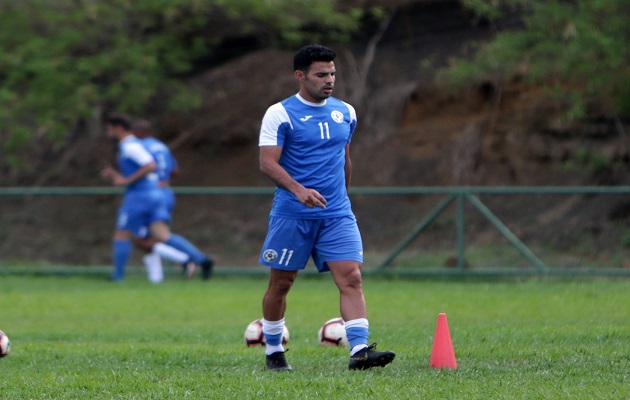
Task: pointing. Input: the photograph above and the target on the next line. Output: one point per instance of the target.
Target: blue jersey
(143, 202)
(131, 157)
(313, 138)
(163, 157)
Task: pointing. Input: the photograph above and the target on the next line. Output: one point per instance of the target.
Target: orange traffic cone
(442, 355)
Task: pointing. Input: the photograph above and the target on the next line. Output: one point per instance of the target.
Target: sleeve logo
(337, 116)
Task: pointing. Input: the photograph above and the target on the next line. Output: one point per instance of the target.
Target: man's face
(316, 85)
(114, 132)
(110, 131)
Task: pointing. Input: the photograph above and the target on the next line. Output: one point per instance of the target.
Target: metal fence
(413, 211)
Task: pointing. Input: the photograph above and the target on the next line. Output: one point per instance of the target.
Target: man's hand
(113, 176)
(311, 198)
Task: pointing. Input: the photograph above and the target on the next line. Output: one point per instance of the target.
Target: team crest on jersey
(270, 255)
(337, 116)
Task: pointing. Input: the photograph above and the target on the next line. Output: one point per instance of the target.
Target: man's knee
(120, 234)
(281, 283)
(160, 231)
(347, 275)
(145, 244)
(354, 279)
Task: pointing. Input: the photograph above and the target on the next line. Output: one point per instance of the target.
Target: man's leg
(170, 253)
(153, 264)
(162, 233)
(120, 253)
(274, 305)
(347, 276)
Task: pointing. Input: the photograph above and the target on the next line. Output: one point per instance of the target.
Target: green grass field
(87, 338)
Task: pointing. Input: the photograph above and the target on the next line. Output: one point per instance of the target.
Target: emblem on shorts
(337, 116)
(270, 255)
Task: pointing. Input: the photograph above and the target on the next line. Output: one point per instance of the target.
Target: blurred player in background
(167, 167)
(143, 204)
(305, 150)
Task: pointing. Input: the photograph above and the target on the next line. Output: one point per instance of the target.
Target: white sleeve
(138, 153)
(352, 111)
(275, 116)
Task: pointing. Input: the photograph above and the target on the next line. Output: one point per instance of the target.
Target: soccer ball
(333, 333)
(254, 334)
(5, 345)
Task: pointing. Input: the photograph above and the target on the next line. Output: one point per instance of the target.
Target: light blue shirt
(313, 137)
(163, 157)
(131, 157)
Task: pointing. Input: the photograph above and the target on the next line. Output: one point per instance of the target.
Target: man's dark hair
(142, 125)
(119, 120)
(303, 59)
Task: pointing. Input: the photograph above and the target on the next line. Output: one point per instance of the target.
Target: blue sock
(273, 340)
(121, 253)
(357, 331)
(181, 244)
(357, 336)
(273, 331)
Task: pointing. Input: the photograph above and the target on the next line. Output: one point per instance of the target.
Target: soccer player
(143, 203)
(166, 168)
(305, 150)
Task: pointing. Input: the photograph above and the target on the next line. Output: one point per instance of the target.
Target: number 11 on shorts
(285, 253)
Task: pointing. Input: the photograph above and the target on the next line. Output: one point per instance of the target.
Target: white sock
(357, 349)
(357, 323)
(269, 350)
(153, 263)
(273, 328)
(170, 253)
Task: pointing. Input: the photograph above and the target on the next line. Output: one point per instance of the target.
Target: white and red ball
(5, 344)
(254, 334)
(333, 333)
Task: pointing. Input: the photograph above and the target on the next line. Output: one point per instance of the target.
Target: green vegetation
(579, 49)
(596, 163)
(88, 338)
(64, 63)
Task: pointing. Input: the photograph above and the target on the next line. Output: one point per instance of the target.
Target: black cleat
(206, 268)
(277, 362)
(369, 358)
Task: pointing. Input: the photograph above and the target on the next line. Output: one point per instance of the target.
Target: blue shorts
(140, 209)
(290, 242)
(169, 198)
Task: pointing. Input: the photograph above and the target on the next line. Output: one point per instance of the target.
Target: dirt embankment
(410, 133)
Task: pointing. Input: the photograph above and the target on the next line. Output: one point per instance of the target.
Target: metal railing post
(416, 231)
(461, 246)
(507, 233)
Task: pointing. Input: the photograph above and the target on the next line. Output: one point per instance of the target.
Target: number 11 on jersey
(324, 131)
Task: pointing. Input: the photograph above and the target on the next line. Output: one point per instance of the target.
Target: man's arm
(118, 180)
(269, 165)
(141, 173)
